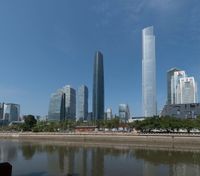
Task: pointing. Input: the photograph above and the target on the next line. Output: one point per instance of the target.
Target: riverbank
(175, 141)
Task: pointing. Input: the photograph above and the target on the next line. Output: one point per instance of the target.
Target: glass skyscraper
(181, 88)
(82, 103)
(62, 104)
(148, 73)
(70, 102)
(11, 112)
(124, 113)
(57, 106)
(98, 87)
(175, 81)
(170, 74)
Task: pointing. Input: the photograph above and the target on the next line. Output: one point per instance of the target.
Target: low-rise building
(85, 128)
(184, 111)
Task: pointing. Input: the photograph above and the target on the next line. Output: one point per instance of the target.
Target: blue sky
(46, 44)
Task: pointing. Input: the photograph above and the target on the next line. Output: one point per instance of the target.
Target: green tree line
(151, 124)
(166, 124)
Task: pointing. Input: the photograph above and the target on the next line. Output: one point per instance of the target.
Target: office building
(62, 104)
(57, 106)
(175, 81)
(1, 111)
(170, 95)
(186, 91)
(184, 111)
(109, 114)
(70, 102)
(11, 112)
(124, 113)
(183, 88)
(149, 104)
(90, 116)
(82, 103)
(98, 87)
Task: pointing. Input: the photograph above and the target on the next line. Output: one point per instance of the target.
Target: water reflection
(28, 151)
(30, 158)
(8, 151)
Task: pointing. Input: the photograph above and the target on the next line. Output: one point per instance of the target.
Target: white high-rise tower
(149, 102)
(186, 91)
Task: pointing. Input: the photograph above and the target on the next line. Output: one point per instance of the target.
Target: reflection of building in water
(185, 170)
(8, 152)
(81, 160)
(61, 160)
(149, 169)
(53, 164)
(68, 160)
(97, 162)
(61, 157)
(84, 160)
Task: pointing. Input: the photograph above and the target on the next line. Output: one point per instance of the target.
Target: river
(47, 158)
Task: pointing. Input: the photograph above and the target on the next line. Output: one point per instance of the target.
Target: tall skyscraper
(11, 112)
(57, 106)
(62, 104)
(170, 74)
(70, 102)
(82, 103)
(98, 87)
(149, 102)
(175, 80)
(183, 88)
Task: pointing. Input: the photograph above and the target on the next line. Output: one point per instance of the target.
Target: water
(42, 158)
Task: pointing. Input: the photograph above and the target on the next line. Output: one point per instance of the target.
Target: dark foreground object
(5, 169)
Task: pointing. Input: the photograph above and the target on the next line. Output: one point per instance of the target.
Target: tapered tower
(98, 87)
(149, 102)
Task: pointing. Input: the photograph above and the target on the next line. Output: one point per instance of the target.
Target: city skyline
(41, 50)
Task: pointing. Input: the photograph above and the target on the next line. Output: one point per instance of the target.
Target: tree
(30, 122)
(189, 124)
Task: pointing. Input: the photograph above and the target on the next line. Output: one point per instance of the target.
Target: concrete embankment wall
(162, 141)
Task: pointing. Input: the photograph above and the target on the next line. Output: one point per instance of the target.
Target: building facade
(98, 87)
(175, 81)
(62, 104)
(184, 111)
(183, 88)
(1, 111)
(109, 115)
(57, 106)
(149, 102)
(70, 102)
(170, 92)
(82, 103)
(124, 112)
(186, 91)
(10, 112)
